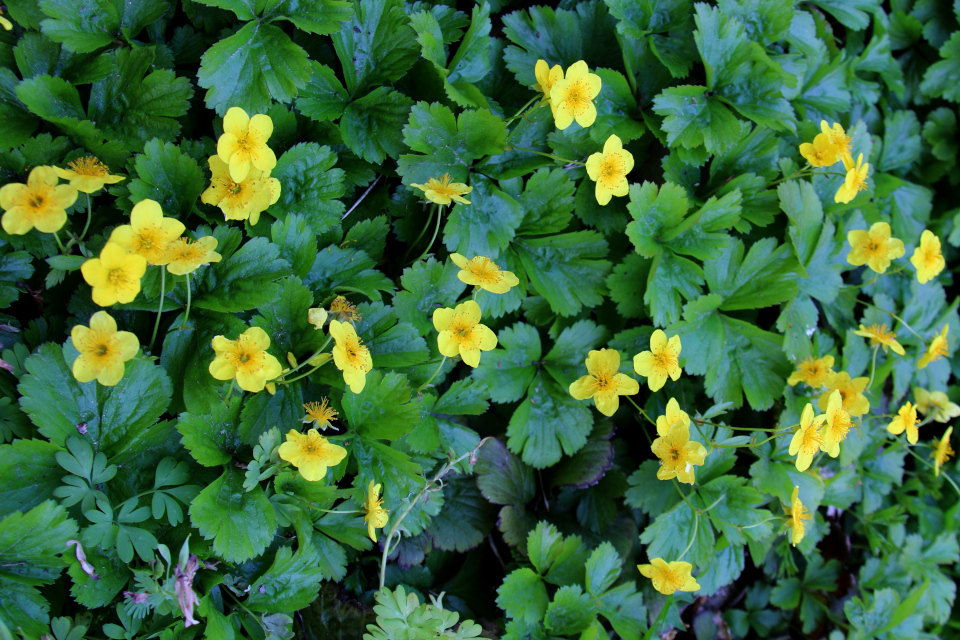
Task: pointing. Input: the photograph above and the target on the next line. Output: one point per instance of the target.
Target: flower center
(841, 424)
(576, 97)
(485, 270)
(665, 360)
(356, 353)
(118, 278)
(89, 166)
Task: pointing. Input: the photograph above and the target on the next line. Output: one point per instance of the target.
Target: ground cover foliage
(162, 483)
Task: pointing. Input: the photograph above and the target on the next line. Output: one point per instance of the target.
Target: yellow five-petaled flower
(185, 256)
(874, 248)
(572, 96)
(936, 349)
(311, 453)
(240, 200)
(87, 174)
(547, 76)
(39, 204)
(668, 578)
(603, 382)
(483, 272)
(149, 234)
(245, 359)
(856, 180)
(807, 440)
(442, 191)
(880, 336)
(927, 258)
(350, 355)
(677, 452)
(797, 514)
(851, 392)
(462, 334)
(661, 362)
(609, 170)
(906, 420)
(319, 413)
(813, 371)
(244, 143)
(936, 404)
(375, 516)
(941, 451)
(103, 350)
(838, 423)
(114, 275)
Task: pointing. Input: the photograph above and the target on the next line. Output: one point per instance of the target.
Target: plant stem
(186, 316)
(430, 379)
(306, 373)
(651, 421)
(422, 231)
(547, 155)
(156, 325)
(436, 230)
(59, 244)
(522, 109)
(660, 618)
(696, 523)
(83, 234)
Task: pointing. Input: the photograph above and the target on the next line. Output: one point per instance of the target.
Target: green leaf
(852, 14)
(314, 16)
(448, 145)
(523, 596)
(673, 530)
(571, 611)
(639, 18)
(566, 269)
(389, 467)
(132, 106)
(284, 318)
(734, 506)
(377, 45)
(508, 370)
(112, 576)
(264, 411)
(487, 225)
(324, 97)
(901, 141)
(240, 523)
(427, 285)
(169, 176)
(383, 111)
(57, 403)
(547, 202)
(31, 544)
(464, 521)
(22, 607)
(671, 279)
(765, 276)
(565, 359)
(616, 108)
(547, 423)
(297, 242)
(212, 438)
(17, 124)
(292, 582)
(654, 212)
(257, 64)
(603, 569)
(15, 267)
(691, 120)
(501, 477)
(81, 26)
(29, 474)
(383, 408)
(244, 280)
(311, 186)
(942, 79)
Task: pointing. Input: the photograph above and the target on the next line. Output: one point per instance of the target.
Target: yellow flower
(609, 170)
(149, 234)
(839, 139)
(350, 355)
(572, 96)
(874, 248)
(244, 143)
(6, 24)
(880, 336)
(185, 256)
(669, 578)
(442, 191)
(245, 359)
(240, 200)
(311, 453)
(317, 317)
(660, 362)
(822, 152)
(927, 259)
(484, 273)
(546, 78)
(797, 514)
(40, 204)
(87, 174)
(603, 382)
(813, 371)
(851, 392)
(319, 413)
(855, 181)
(678, 454)
(376, 516)
(115, 275)
(103, 350)
(906, 420)
(345, 310)
(941, 451)
(935, 404)
(807, 440)
(838, 424)
(461, 332)
(936, 349)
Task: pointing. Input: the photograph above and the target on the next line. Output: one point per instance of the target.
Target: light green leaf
(571, 611)
(324, 97)
(31, 544)
(212, 438)
(377, 45)
(523, 596)
(240, 523)
(548, 423)
(81, 26)
(383, 408)
(691, 119)
(383, 111)
(485, 227)
(169, 176)
(508, 370)
(766, 276)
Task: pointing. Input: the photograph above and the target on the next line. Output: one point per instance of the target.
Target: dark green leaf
(383, 408)
(548, 422)
(566, 269)
(377, 45)
(240, 523)
(508, 370)
(245, 280)
(485, 227)
(169, 176)
(311, 186)
(382, 110)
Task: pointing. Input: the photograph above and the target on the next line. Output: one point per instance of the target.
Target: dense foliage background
(369, 97)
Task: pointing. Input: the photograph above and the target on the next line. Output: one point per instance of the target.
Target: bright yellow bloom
(245, 359)
(6, 24)
(678, 454)
(874, 248)
(936, 349)
(149, 234)
(927, 258)
(317, 317)
(186, 256)
(442, 191)
(669, 578)
(838, 424)
(661, 362)
(376, 516)
(345, 310)
(115, 275)
(461, 332)
(319, 413)
(941, 451)
(240, 200)
(546, 78)
(822, 152)
(40, 204)
(851, 391)
(855, 181)
(88, 174)
(609, 170)
(880, 336)
(244, 143)
(807, 440)
(603, 382)
(935, 404)
(350, 355)
(103, 350)
(572, 96)
(311, 453)
(839, 139)
(813, 371)
(797, 514)
(484, 273)
(906, 420)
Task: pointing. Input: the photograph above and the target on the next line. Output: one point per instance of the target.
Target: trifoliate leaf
(734, 507)
(251, 68)
(310, 186)
(485, 227)
(464, 521)
(665, 541)
(241, 523)
(112, 576)
(547, 201)
(427, 285)
(212, 438)
(284, 318)
(81, 27)
(383, 409)
(548, 423)
(324, 97)
(245, 280)
(529, 133)
(942, 79)
(603, 568)
(654, 211)
(523, 596)
(508, 370)
(292, 582)
(345, 271)
(377, 45)
(566, 269)
(169, 176)
(765, 276)
(382, 110)
(313, 16)
(671, 280)
(691, 120)
(571, 611)
(637, 19)
(448, 145)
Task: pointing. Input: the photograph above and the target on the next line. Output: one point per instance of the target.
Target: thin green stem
(696, 523)
(156, 325)
(430, 379)
(436, 230)
(795, 174)
(873, 365)
(226, 398)
(889, 313)
(638, 408)
(945, 474)
(83, 234)
(312, 356)
(547, 155)
(660, 618)
(59, 244)
(422, 231)
(186, 315)
(522, 109)
(306, 373)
